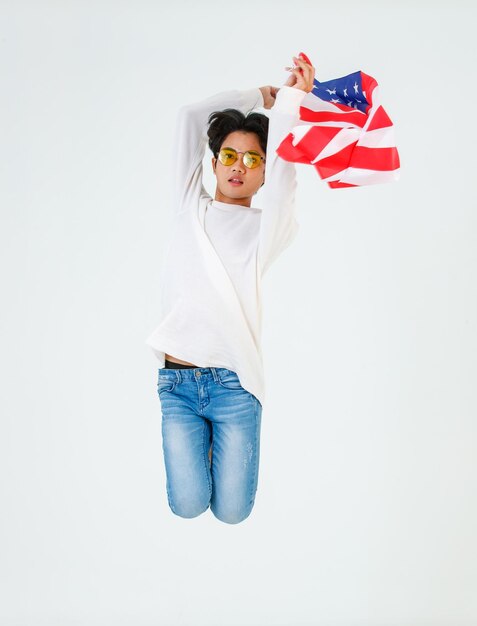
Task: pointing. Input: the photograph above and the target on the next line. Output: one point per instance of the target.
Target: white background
(366, 507)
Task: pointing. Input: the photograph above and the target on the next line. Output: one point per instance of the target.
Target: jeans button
(197, 374)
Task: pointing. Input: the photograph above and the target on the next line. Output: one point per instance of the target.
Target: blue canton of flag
(346, 90)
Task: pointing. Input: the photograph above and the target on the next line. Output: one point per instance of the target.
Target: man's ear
(214, 161)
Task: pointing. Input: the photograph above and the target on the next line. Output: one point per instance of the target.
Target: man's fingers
(303, 68)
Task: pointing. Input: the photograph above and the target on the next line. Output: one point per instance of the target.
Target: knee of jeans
(188, 509)
(231, 516)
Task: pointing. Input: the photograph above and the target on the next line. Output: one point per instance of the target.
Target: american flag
(345, 133)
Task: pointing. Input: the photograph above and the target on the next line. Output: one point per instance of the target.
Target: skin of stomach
(175, 360)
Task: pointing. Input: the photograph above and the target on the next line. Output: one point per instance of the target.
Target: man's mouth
(235, 181)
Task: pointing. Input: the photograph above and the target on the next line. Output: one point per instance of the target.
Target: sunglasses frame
(252, 152)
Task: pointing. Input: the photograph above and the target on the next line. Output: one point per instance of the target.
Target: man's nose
(238, 165)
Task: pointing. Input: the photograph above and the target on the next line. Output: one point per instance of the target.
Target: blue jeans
(206, 409)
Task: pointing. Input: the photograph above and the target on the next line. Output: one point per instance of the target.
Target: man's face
(252, 179)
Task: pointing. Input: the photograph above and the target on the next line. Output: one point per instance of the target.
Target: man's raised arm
(190, 141)
(278, 223)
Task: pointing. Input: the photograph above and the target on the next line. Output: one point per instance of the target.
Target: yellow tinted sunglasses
(251, 158)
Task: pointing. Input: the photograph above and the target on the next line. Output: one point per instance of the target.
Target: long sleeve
(278, 224)
(190, 141)
(211, 290)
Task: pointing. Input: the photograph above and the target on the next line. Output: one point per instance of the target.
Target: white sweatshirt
(217, 254)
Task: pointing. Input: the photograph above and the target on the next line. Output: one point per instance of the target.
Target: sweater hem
(174, 350)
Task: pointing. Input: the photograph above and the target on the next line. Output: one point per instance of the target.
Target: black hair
(222, 123)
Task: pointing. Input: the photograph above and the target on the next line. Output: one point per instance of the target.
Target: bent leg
(235, 459)
(186, 440)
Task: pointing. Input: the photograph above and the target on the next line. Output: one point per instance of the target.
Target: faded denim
(204, 407)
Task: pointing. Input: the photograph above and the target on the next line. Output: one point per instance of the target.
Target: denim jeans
(206, 409)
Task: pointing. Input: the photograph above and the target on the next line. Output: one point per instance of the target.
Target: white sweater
(218, 252)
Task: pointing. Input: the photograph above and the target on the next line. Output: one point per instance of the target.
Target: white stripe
(358, 176)
(378, 138)
(302, 129)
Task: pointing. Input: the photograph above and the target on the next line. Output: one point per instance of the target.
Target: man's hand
(301, 79)
(269, 94)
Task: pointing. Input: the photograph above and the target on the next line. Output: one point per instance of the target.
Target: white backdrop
(365, 512)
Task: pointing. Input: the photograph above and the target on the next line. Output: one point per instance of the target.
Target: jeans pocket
(229, 379)
(166, 381)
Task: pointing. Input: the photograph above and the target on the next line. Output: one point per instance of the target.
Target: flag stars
(345, 92)
(332, 92)
(355, 87)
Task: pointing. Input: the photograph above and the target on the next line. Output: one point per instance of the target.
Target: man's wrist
(288, 99)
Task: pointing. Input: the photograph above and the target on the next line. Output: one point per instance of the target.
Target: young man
(211, 380)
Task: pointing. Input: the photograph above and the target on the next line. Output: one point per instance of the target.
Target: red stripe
(380, 119)
(353, 117)
(336, 184)
(309, 147)
(379, 159)
(287, 151)
(317, 138)
(335, 163)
